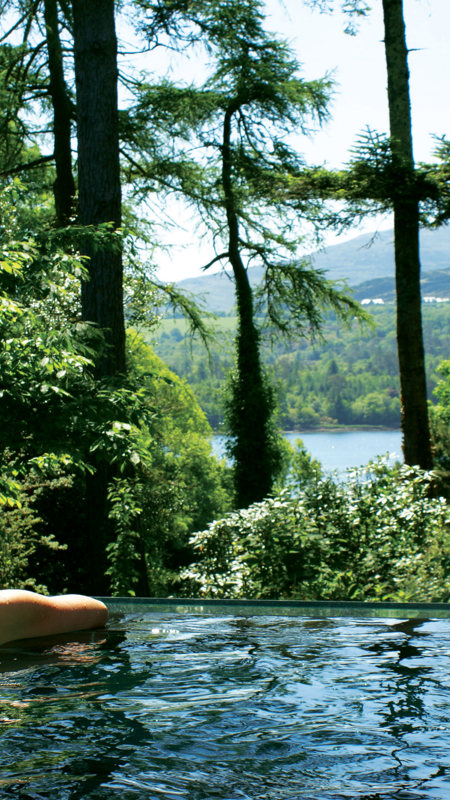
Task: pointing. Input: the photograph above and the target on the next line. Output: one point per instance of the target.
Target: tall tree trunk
(95, 49)
(251, 411)
(415, 424)
(64, 186)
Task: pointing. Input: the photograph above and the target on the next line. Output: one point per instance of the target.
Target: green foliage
(363, 388)
(25, 544)
(176, 133)
(442, 392)
(43, 356)
(45, 388)
(303, 469)
(175, 487)
(380, 535)
(296, 298)
(123, 552)
(222, 147)
(440, 419)
(265, 449)
(144, 434)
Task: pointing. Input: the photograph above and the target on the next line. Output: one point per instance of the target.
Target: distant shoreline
(332, 429)
(343, 429)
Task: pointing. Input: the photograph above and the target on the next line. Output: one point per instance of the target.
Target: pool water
(199, 705)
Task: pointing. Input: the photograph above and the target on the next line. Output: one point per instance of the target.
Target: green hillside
(349, 378)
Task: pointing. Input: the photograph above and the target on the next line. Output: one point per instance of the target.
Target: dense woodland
(106, 468)
(348, 377)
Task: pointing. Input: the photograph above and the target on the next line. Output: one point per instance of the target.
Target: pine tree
(405, 203)
(239, 122)
(99, 184)
(384, 175)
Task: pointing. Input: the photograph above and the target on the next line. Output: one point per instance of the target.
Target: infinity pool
(236, 702)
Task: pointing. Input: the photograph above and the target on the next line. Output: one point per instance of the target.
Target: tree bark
(64, 186)
(415, 424)
(251, 415)
(95, 50)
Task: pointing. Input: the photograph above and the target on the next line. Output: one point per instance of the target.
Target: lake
(341, 450)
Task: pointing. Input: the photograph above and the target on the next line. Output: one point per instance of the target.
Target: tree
(415, 424)
(238, 122)
(108, 404)
(45, 385)
(38, 75)
(12, 88)
(35, 75)
(99, 209)
(177, 486)
(64, 187)
(58, 422)
(385, 172)
(99, 186)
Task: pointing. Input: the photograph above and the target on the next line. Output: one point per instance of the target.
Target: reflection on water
(167, 705)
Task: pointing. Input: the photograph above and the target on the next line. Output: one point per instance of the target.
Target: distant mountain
(435, 284)
(368, 256)
(373, 255)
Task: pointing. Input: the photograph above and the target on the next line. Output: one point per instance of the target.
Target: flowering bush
(381, 535)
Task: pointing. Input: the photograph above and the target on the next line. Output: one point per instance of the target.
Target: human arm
(25, 614)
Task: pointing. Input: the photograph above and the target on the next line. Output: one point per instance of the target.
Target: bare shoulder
(25, 614)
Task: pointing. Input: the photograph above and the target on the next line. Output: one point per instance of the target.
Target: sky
(358, 67)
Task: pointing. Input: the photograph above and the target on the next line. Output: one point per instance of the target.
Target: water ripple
(265, 708)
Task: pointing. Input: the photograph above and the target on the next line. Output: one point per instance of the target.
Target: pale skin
(25, 615)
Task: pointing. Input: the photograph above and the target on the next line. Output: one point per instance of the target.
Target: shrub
(440, 419)
(24, 542)
(176, 485)
(381, 535)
